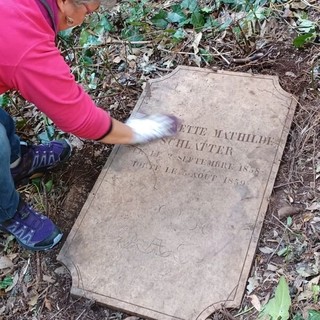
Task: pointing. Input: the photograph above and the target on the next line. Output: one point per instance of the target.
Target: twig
(226, 313)
(244, 312)
(45, 196)
(39, 273)
(221, 55)
(164, 69)
(311, 5)
(284, 225)
(80, 315)
(115, 42)
(275, 250)
(248, 59)
(187, 53)
(44, 292)
(286, 184)
(314, 164)
(65, 309)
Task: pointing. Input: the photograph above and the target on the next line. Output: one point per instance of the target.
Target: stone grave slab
(170, 228)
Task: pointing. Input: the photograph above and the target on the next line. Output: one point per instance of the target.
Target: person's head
(73, 12)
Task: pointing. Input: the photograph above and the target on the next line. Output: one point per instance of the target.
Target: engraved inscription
(204, 167)
(228, 135)
(198, 146)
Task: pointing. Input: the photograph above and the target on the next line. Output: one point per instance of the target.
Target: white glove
(148, 128)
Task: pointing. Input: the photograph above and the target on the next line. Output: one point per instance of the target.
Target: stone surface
(170, 229)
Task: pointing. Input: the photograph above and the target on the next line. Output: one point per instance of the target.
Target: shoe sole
(56, 240)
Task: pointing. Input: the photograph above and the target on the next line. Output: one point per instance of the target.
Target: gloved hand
(147, 128)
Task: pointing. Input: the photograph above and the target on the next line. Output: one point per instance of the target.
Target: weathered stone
(170, 229)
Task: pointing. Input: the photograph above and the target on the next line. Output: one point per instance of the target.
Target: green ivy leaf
(278, 307)
(176, 17)
(66, 34)
(104, 24)
(6, 282)
(160, 19)
(229, 1)
(205, 55)
(225, 25)
(84, 36)
(179, 34)
(306, 26)
(132, 33)
(211, 23)
(4, 100)
(189, 4)
(197, 20)
(206, 9)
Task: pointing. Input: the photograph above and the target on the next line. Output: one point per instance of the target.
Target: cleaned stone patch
(170, 229)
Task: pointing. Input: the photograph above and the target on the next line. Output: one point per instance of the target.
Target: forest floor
(38, 287)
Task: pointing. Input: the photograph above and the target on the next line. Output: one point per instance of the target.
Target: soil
(42, 285)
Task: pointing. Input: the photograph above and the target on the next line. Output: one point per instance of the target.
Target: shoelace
(24, 212)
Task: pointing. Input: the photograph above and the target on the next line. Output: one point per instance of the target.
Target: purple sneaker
(36, 159)
(32, 230)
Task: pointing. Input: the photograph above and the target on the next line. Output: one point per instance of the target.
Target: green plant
(306, 28)
(6, 282)
(4, 100)
(313, 315)
(278, 307)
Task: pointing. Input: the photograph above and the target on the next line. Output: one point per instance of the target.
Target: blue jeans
(9, 152)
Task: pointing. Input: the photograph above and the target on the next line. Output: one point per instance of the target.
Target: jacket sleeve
(44, 78)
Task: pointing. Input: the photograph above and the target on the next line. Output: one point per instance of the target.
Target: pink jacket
(31, 63)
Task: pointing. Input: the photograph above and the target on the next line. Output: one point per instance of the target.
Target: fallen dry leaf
(288, 211)
(33, 300)
(5, 263)
(47, 304)
(255, 302)
(61, 270)
(314, 206)
(48, 279)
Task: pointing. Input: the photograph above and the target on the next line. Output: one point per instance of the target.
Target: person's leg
(32, 230)
(14, 141)
(9, 197)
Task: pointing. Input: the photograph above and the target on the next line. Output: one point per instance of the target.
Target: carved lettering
(171, 170)
(243, 137)
(234, 181)
(208, 162)
(199, 146)
(200, 131)
(145, 165)
(194, 175)
(247, 168)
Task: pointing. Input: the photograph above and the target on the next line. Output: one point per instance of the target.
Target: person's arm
(119, 134)
(44, 78)
(142, 129)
